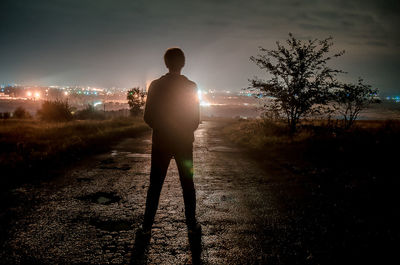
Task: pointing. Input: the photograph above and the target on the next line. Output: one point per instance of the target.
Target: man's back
(172, 109)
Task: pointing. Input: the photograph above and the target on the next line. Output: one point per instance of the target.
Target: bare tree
(299, 76)
(136, 100)
(351, 99)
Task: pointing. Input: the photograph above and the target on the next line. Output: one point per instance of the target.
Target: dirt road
(90, 214)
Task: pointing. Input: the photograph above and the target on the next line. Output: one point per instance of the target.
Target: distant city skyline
(121, 43)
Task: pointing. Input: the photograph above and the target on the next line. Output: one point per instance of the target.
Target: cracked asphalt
(90, 214)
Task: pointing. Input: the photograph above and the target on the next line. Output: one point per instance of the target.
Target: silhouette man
(172, 111)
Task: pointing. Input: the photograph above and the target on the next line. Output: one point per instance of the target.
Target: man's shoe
(142, 241)
(195, 229)
(143, 234)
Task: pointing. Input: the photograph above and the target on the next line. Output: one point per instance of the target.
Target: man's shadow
(142, 242)
(195, 247)
(140, 247)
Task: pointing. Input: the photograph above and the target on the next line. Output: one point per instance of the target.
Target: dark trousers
(160, 159)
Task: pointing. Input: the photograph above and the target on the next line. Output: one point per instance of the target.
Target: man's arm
(196, 109)
(149, 108)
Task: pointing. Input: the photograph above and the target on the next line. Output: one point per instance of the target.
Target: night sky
(121, 42)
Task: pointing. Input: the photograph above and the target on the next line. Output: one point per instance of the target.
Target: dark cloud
(121, 42)
(377, 43)
(315, 27)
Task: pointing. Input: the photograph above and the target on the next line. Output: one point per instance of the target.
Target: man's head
(174, 59)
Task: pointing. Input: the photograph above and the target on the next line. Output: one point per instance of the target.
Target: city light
(37, 95)
(29, 94)
(66, 93)
(199, 95)
(203, 103)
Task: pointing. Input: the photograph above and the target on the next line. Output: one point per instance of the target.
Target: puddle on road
(215, 140)
(123, 167)
(84, 179)
(222, 148)
(102, 198)
(138, 155)
(107, 161)
(116, 152)
(111, 225)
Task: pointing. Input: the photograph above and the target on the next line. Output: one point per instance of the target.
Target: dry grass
(24, 143)
(258, 134)
(340, 186)
(321, 146)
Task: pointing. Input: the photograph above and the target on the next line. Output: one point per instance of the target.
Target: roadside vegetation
(90, 113)
(136, 100)
(58, 111)
(339, 185)
(301, 94)
(320, 142)
(31, 144)
(337, 178)
(56, 135)
(300, 83)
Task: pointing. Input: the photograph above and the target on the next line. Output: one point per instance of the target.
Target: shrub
(351, 99)
(21, 113)
(57, 111)
(89, 113)
(136, 100)
(5, 115)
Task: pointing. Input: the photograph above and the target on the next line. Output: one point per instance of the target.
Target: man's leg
(159, 166)
(184, 161)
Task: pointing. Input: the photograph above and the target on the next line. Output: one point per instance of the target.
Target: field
(323, 153)
(31, 145)
(321, 196)
(317, 140)
(339, 185)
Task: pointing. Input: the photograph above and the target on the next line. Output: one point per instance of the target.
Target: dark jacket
(172, 110)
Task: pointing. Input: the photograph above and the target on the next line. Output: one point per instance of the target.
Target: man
(172, 111)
